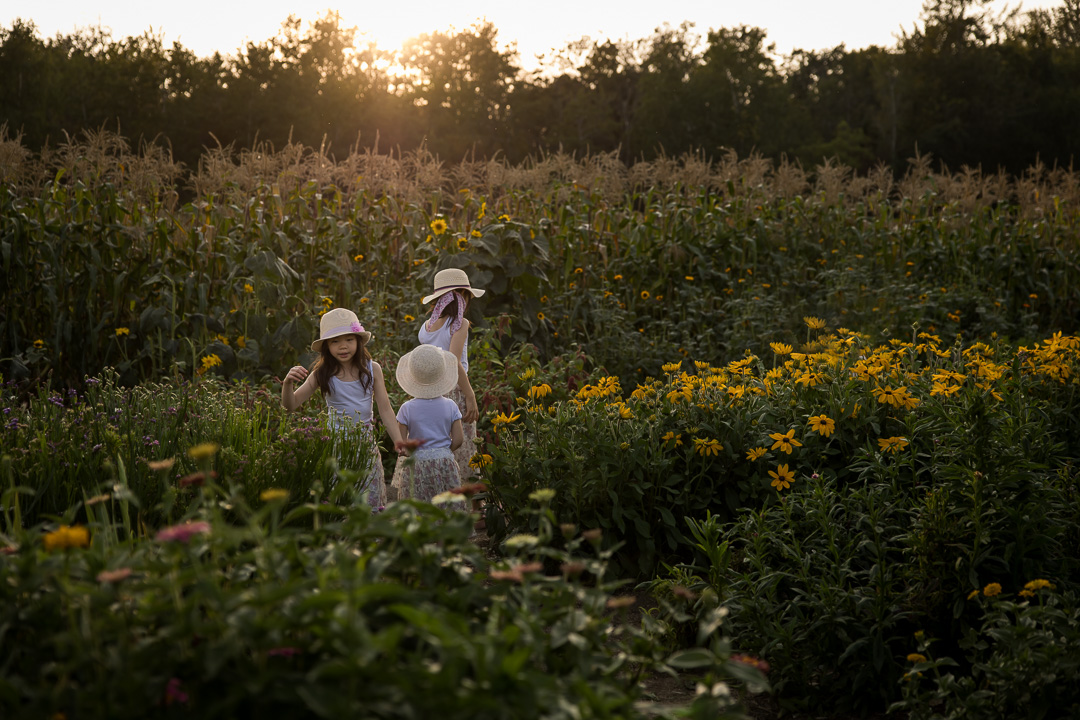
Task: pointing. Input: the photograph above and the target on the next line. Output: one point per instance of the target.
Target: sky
(536, 28)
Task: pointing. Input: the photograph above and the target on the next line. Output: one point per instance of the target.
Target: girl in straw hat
(349, 380)
(448, 329)
(427, 374)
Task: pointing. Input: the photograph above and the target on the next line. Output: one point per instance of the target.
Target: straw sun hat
(427, 372)
(451, 279)
(336, 323)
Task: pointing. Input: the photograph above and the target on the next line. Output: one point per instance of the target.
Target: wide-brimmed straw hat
(336, 323)
(451, 279)
(427, 372)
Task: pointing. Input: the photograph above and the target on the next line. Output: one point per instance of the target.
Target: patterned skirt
(372, 483)
(465, 452)
(432, 471)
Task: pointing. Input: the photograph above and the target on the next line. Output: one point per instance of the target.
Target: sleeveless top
(441, 339)
(349, 402)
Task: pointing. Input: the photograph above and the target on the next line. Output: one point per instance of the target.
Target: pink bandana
(440, 305)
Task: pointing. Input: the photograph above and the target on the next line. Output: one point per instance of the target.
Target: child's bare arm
(382, 401)
(292, 398)
(457, 437)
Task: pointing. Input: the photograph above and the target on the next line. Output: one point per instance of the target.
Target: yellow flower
(754, 453)
(418, 261)
(476, 234)
(823, 425)
(409, 318)
(1038, 585)
(502, 419)
(916, 658)
(814, 323)
(483, 211)
(782, 478)
(671, 367)
(462, 243)
(479, 460)
(67, 537)
(672, 437)
(972, 594)
(992, 589)
(438, 226)
(273, 494)
(780, 348)
(528, 374)
(364, 300)
(540, 316)
(357, 258)
(203, 451)
(241, 342)
(211, 360)
(122, 331)
(892, 444)
(504, 218)
(784, 441)
(578, 271)
(707, 446)
(39, 344)
(539, 391)
(617, 277)
(223, 340)
(690, 278)
(625, 413)
(644, 294)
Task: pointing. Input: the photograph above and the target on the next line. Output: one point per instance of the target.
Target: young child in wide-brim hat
(427, 373)
(350, 382)
(448, 329)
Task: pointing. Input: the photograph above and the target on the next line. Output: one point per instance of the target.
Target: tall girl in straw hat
(427, 374)
(448, 329)
(349, 380)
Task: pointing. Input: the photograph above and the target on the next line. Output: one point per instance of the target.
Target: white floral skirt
(468, 448)
(432, 471)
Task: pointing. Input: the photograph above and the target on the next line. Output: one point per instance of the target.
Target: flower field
(804, 422)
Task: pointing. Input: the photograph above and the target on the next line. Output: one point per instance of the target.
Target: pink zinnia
(182, 533)
(111, 576)
(173, 693)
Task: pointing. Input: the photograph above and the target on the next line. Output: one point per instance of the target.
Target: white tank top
(350, 401)
(441, 339)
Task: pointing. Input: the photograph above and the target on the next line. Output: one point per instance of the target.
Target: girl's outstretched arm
(382, 400)
(294, 398)
(457, 344)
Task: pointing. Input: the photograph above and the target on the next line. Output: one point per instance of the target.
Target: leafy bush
(393, 614)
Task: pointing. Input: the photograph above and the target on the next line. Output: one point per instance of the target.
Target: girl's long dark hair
(451, 309)
(327, 366)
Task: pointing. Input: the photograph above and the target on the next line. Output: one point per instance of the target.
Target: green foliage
(1022, 661)
(394, 614)
(68, 446)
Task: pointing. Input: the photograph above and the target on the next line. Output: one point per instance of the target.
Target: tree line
(968, 86)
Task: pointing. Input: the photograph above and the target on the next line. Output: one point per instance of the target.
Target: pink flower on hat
(356, 327)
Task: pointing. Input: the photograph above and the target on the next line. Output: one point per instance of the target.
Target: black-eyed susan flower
(822, 425)
(645, 295)
(39, 343)
(438, 226)
(782, 478)
(122, 331)
(892, 444)
(672, 437)
(784, 441)
(780, 348)
(754, 453)
(814, 323)
(249, 288)
(707, 446)
(539, 391)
